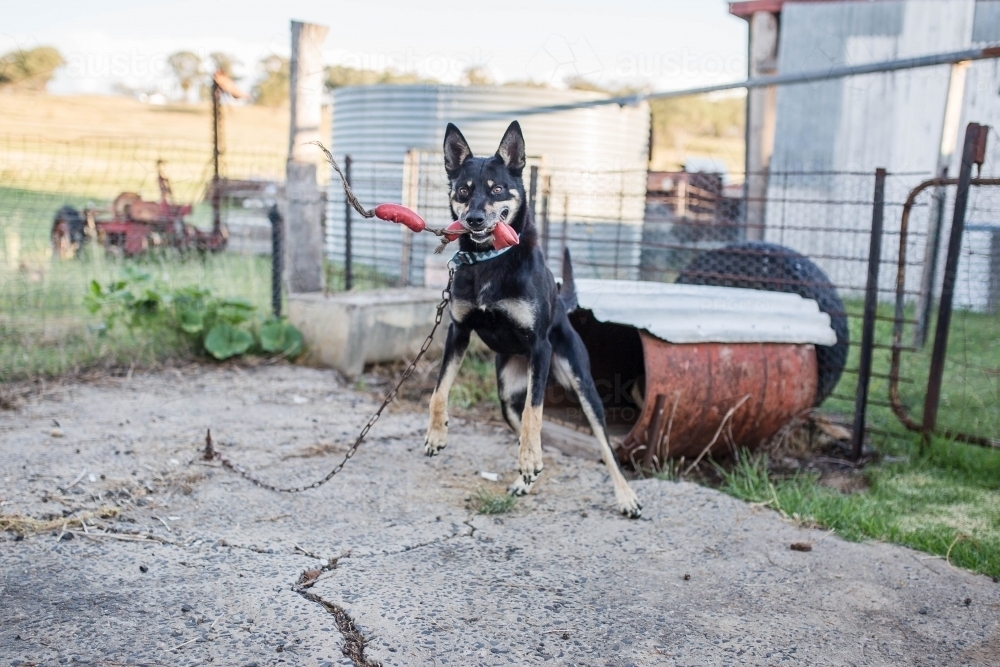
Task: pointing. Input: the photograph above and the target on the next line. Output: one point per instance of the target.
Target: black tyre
(767, 266)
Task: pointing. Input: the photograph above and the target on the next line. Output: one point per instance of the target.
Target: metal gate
(951, 354)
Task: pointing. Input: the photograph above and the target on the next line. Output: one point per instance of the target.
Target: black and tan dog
(510, 299)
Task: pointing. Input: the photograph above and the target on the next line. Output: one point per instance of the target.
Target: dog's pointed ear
(511, 149)
(456, 151)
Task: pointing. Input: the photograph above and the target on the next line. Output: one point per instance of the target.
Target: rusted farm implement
(131, 226)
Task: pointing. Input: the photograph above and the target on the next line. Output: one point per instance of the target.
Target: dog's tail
(567, 291)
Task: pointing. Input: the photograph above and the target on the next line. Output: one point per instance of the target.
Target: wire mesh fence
(814, 240)
(45, 326)
(657, 226)
(597, 214)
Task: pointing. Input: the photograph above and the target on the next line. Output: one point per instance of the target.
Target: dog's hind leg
(512, 387)
(454, 351)
(571, 367)
(529, 450)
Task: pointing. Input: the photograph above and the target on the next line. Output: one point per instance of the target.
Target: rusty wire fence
(814, 238)
(628, 225)
(945, 368)
(45, 326)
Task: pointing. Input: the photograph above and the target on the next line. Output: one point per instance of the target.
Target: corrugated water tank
(596, 159)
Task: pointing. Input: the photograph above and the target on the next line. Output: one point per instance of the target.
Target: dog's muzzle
(485, 235)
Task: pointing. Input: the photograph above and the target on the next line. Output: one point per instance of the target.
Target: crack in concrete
(439, 540)
(354, 641)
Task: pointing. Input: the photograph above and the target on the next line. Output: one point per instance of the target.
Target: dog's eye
(497, 189)
(463, 191)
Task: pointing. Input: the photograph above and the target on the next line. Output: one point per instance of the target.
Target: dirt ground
(123, 547)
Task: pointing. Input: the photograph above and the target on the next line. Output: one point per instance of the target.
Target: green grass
(45, 328)
(363, 277)
(970, 387)
(476, 382)
(944, 502)
(484, 501)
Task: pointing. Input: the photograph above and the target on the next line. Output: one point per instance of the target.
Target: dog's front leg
(454, 351)
(529, 451)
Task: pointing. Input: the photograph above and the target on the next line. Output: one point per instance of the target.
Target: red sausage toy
(454, 227)
(504, 235)
(402, 215)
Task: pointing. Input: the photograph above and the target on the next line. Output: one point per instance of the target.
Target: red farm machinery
(131, 226)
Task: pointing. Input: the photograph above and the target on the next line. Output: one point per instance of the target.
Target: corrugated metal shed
(705, 314)
(596, 157)
(890, 120)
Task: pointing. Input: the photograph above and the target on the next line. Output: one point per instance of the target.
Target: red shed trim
(747, 9)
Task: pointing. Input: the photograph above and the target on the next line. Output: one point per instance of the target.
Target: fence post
(565, 230)
(411, 189)
(974, 143)
(348, 272)
(533, 190)
(925, 304)
(277, 257)
(546, 191)
(303, 207)
(871, 309)
(216, 151)
(949, 137)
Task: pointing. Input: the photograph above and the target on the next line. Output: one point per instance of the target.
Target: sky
(660, 45)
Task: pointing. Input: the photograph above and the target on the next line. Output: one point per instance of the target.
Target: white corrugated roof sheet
(705, 314)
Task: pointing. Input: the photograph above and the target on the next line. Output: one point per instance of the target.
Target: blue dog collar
(470, 258)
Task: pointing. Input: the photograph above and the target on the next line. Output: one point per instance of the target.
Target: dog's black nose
(475, 220)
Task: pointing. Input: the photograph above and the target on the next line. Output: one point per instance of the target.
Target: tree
(620, 90)
(477, 75)
(526, 83)
(338, 76)
(272, 89)
(225, 63)
(30, 70)
(187, 69)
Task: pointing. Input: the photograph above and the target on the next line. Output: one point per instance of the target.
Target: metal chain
(212, 455)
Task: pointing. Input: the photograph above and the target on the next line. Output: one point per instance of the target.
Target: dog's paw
(525, 480)
(437, 438)
(529, 460)
(628, 504)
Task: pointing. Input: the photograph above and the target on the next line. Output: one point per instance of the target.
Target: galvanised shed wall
(890, 120)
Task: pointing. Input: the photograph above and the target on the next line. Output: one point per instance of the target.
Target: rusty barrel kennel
(685, 368)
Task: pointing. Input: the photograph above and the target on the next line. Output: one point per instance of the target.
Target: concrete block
(348, 330)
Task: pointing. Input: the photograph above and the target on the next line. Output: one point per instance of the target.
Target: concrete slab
(347, 330)
(391, 548)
